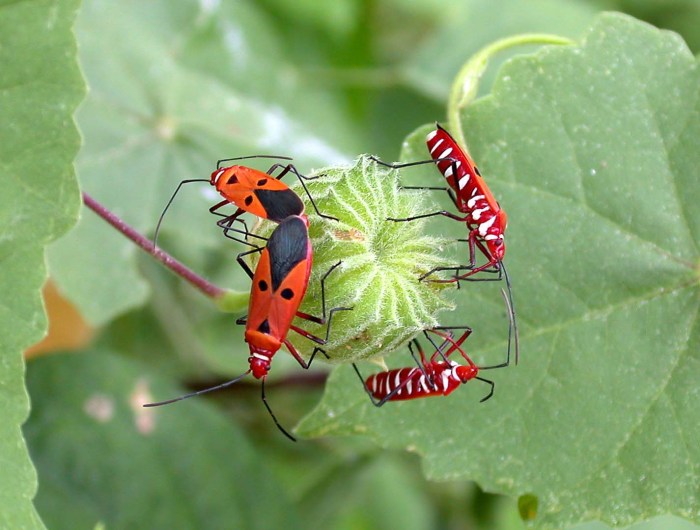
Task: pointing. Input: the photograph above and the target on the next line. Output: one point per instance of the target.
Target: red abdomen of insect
(262, 348)
(472, 194)
(439, 379)
(490, 226)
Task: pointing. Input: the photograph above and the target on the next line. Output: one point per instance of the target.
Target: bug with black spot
(279, 284)
(253, 191)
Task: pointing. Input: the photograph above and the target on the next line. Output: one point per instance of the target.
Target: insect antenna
(278, 157)
(513, 324)
(272, 414)
(493, 386)
(199, 392)
(512, 335)
(160, 219)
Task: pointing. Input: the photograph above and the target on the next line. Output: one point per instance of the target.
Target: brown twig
(148, 246)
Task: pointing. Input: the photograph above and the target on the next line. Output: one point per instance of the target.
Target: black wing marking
(280, 204)
(288, 245)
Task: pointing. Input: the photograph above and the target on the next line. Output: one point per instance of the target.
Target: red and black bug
(279, 284)
(251, 190)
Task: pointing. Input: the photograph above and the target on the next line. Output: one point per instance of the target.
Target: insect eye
(233, 179)
(287, 294)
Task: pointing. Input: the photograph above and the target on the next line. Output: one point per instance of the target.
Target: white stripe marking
(218, 176)
(471, 202)
(409, 387)
(422, 384)
(448, 172)
(445, 380)
(436, 145)
(446, 153)
(431, 135)
(463, 181)
(483, 227)
(476, 214)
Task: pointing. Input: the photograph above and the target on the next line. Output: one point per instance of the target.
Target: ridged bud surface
(381, 261)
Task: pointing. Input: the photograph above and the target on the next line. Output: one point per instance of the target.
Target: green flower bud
(381, 262)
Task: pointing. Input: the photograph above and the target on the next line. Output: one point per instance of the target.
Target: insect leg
(322, 318)
(471, 267)
(444, 213)
(295, 353)
(422, 362)
(493, 387)
(389, 396)
(453, 174)
(172, 198)
(272, 414)
(291, 168)
(226, 223)
(242, 262)
(455, 344)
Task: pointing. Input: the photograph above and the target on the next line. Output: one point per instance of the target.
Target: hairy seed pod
(381, 261)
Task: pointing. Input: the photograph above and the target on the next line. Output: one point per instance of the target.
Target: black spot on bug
(476, 169)
(262, 285)
(287, 294)
(248, 200)
(261, 182)
(233, 179)
(264, 327)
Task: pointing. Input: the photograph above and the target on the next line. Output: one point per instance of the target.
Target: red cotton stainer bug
(471, 195)
(438, 376)
(279, 284)
(253, 191)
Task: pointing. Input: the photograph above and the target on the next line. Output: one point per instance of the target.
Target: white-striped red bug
(437, 376)
(471, 195)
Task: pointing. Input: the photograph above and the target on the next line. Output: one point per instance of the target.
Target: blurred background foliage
(358, 74)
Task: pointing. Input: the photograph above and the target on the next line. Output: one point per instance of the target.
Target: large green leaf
(473, 24)
(175, 87)
(40, 86)
(106, 458)
(592, 150)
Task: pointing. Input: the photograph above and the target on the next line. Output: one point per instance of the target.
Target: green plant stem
(465, 86)
(206, 287)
